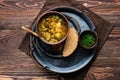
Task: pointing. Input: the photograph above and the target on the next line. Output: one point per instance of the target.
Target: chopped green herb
(87, 40)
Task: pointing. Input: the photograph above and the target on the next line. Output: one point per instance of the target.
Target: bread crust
(71, 43)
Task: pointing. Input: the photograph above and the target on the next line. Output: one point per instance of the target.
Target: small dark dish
(52, 27)
(88, 39)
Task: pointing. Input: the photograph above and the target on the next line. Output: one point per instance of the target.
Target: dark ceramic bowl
(47, 14)
(88, 39)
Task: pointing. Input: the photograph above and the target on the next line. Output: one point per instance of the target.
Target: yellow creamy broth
(52, 28)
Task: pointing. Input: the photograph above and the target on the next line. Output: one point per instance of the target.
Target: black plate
(80, 58)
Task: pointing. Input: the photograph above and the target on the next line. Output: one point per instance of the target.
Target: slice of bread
(71, 43)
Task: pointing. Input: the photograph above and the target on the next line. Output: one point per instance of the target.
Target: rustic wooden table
(16, 65)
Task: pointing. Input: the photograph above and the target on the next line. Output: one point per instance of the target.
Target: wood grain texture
(107, 9)
(15, 13)
(16, 65)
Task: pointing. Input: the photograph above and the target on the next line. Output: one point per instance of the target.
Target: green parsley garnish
(87, 40)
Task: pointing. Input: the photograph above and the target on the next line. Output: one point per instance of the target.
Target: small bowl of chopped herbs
(88, 39)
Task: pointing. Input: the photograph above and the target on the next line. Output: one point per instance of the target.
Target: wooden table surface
(16, 65)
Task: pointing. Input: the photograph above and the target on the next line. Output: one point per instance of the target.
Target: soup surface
(52, 28)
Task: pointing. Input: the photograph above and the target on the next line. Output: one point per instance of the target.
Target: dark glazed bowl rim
(96, 38)
(59, 14)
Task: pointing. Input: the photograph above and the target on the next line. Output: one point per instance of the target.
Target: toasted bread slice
(71, 43)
